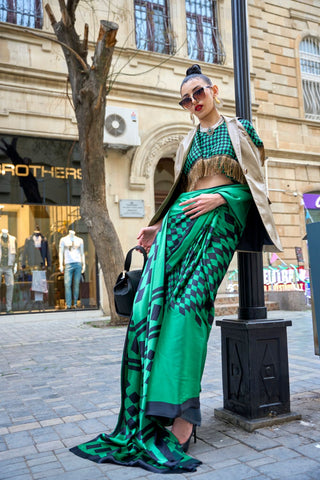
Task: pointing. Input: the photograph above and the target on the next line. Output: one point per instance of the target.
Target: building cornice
(302, 15)
(292, 120)
(293, 156)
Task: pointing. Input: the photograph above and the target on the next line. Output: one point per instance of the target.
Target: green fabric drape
(166, 342)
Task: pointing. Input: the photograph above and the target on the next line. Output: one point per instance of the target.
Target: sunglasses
(199, 94)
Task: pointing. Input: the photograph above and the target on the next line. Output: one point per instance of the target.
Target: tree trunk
(88, 86)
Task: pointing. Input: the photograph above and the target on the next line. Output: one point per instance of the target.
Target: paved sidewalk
(59, 384)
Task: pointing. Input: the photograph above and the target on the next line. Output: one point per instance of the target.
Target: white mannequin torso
(71, 250)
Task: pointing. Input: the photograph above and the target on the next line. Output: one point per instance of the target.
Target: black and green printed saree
(166, 342)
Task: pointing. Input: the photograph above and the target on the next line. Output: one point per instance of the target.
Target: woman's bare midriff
(212, 181)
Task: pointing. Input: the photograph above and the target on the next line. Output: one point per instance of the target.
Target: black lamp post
(251, 291)
(254, 349)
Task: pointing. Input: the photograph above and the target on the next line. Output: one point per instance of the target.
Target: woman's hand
(203, 203)
(147, 235)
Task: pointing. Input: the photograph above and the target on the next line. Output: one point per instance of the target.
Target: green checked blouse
(212, 152)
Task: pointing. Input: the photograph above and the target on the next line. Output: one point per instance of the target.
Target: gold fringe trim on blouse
(218, 164)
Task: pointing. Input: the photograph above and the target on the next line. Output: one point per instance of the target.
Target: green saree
(166, 342)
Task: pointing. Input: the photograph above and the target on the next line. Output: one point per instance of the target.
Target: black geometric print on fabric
(148, 278)
(140, 294)
(176, 235)
(157, 294)
(134, 367)
(135, 346)
(156, 328)
(132, 411)
(155, 312)
(101, 450)
(134, 397)
(92, 445)
(137, 326)
(131, 424)
(142, 349)
(151, 355)
(186, 284)
(155, 253)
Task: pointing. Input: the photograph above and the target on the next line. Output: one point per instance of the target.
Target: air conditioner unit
(121, 127)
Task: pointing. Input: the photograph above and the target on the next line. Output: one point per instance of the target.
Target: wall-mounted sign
(311, 200)
(40, 171)
(132, 208)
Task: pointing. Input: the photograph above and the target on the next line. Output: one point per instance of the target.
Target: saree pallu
(166, 342)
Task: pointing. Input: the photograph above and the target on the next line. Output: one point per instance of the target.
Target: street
(59, 383)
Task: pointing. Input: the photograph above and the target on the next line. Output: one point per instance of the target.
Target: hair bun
(195, 69)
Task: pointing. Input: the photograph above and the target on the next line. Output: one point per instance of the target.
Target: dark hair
(195, 72)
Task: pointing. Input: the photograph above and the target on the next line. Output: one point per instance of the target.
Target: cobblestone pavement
(59, 384)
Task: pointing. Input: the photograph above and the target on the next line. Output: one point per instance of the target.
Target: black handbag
(127, 283)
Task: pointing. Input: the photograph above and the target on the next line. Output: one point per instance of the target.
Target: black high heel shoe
(185, 445)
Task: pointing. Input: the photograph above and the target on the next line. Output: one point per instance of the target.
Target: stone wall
(292, 142)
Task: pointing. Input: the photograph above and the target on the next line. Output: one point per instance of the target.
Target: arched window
(163, 180)
(310, 74)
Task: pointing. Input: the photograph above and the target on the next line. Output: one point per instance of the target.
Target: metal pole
(255, 370)
(251, 288)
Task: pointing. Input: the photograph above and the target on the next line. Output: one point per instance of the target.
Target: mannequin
(72, 262)
(8, 250)
(36, 251)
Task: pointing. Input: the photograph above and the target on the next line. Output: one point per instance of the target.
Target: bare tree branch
(50, 14)
(85, 39)
(71, 8)
(47, 37)
(106, 41)
(103, 56)
(64, 14)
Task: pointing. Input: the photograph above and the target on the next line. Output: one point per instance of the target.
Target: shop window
(204, 41)
(163, 180)
(27, 13)
(152, 25)
(47, 257)
(310, 74)
(41, 234)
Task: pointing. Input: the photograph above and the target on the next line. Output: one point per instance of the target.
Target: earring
(192, 118)
(216, 99)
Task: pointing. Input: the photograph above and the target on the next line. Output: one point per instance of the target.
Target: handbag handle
(127, 263)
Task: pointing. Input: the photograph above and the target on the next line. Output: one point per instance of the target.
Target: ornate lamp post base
(254, 424)
(255, 373)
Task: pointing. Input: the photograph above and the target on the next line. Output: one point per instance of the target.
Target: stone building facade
(157, 41)
(285, 48)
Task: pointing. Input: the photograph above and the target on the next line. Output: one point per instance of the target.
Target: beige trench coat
(260, 232)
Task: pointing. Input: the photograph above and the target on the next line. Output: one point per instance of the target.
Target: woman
(190, 242)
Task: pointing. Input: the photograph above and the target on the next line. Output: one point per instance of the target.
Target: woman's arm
(203, 203)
